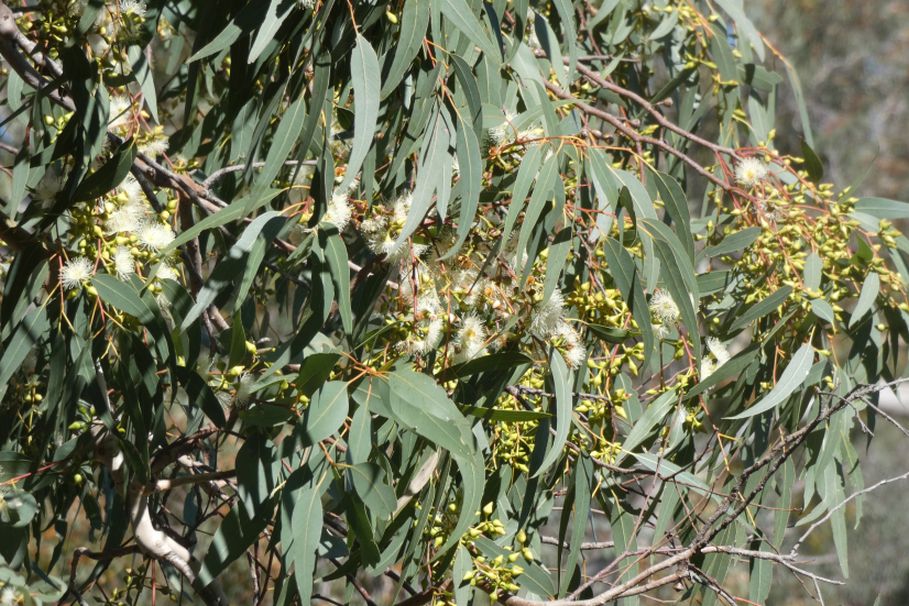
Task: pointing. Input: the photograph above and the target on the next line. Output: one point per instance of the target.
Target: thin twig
(586, 546)
(840, 505)
(235, 168)
(170, 483)
(635, 136)
(595, 78)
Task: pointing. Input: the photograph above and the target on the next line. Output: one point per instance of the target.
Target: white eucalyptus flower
(573, 351)
(8, 597)
(718, 350)
(402, 207)
(130, 186)
(548, 316)
(124, 263)
(707, 368)
(471, 338)
(49, 186)
(133, 7)
(663, 306)
(504, 132)
(155, 236)
(154, 147)
(126, 219)
(338, 212)
(121, 111)
(750, 171)
(76, 272)
(167, 272)
(382, 235)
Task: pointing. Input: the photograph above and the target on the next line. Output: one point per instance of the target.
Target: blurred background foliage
(853, 59)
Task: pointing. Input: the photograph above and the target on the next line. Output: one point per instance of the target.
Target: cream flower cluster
(381, 232)
(339, 211)
(471, 339)
(131, 235)
(665, 311)
(720, 355)
(429, 322)
(548, 323)
(506, 133)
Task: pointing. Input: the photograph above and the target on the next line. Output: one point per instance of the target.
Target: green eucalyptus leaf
(326, 412)
(561, 380)
(365, 73)
(870, 289)
(882, 208)
(792, 378)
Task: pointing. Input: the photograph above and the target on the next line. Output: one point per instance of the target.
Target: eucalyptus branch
(585, 546)
(235, 168)
(340, 383)
(12, 33)
(787, 561)
(700, 577)
(12, 43)
(208, 476)
(153, 542)
(726, 513)
(533, 391)
(635, 136)
(104, 557)
(594, 78)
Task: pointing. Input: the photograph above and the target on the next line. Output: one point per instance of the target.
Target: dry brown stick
(28, 47)
(787, 561)
(253, 572)
(775, 459)
(172, 452)
(843, 503)
(586, 546)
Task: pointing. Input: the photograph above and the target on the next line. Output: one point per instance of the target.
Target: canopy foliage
(434, 301)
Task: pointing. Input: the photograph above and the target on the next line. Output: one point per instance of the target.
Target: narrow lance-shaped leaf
(414, 21)
(465, 20)
(561, 379)
(364, 74)
(121, 295)
(471, 174)
(625, 273)
(883, 208)
(866, 299)
(791, 379)
(336, 254)
(419, 403)
(286, 137)
(307, 524)
(435, 151)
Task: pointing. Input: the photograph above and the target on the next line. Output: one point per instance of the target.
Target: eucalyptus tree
(433, 301)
